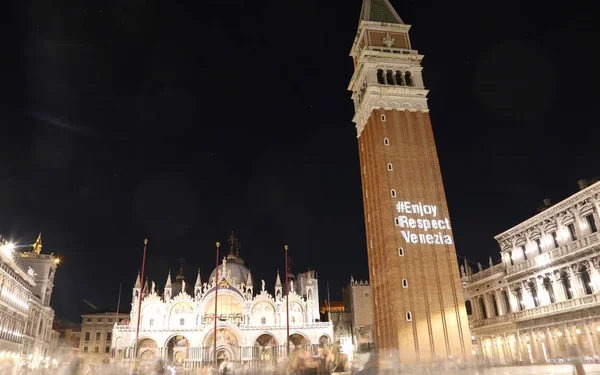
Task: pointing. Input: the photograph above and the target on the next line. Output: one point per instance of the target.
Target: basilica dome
(235, 269)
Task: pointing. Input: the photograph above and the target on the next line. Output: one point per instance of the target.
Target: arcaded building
(177, 322)
(416, 292)
(542, 301)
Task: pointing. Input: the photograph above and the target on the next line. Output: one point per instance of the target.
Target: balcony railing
(547, 257)
(496, 269)
(539, 311)
(129, 328)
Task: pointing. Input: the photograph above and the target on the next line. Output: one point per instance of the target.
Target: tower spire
(37, 246)
(379, 11)
(234, 245)
(180, 276)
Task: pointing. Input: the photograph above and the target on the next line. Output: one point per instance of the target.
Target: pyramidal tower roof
(379, 11)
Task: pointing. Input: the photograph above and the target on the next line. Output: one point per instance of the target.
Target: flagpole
(119, 302)
(114, 351)
(139, 311)
(328, 304)
(216, 295)
(287, 302)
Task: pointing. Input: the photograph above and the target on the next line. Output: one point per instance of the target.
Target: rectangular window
(591, 223)
(538, 243)
(98, 336)
(108, 336)
(524, 250)
(99, 320)
(87, 336)
(96, 350)
(107, 349)
(571, 228)
(85, 349)
(555, 239)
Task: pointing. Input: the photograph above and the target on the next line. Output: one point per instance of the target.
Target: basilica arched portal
(147, 348)
(265, 345)
(176, 349)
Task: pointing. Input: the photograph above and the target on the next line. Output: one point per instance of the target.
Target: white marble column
(590, 339)
(543, 296)
(500, 302)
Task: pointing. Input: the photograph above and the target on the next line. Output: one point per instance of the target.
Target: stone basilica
(178, 324)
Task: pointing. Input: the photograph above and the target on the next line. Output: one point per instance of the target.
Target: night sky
(122, 120)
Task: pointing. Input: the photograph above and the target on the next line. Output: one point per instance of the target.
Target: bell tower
(416, 294)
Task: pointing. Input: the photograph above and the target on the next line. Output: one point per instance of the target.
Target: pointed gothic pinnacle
(198, 281)
(137, 281)
(168, 284)
(278, 280)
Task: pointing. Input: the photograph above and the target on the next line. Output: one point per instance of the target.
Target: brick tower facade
(416, 292)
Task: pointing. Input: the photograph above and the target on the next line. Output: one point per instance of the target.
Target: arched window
(534, 295)
(519, 296)
(400, 251)
(506, 301)
(393, 193)
(263, 320)
(524, 250)
(404, 283)
(482, 307)
(549, 289)
(390, 167)
(564, 277)
(408, 316)
(469, 307)
(386, 141)
(293, 319)
(389, 77)
(399, 80)
(181, 321)
(380, 77)
(151, 322)
(408, 79)
(586, 280)
(495, 305)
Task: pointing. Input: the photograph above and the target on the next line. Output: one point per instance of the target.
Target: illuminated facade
(415, 283)
(38, 350)
(353, 319)
(96, 336)
(15, 288)
(177, 324)
(543, 299)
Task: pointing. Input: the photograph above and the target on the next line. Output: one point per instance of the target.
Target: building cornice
(400, 98)
(550, 212)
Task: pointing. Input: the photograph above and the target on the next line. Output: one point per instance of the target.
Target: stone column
(488, 307)
(535, 348)
(575, 284)
(561, 293)
(551, 343)
(590, 339)
(568, 337)
(518, 345)
(528, 297)
(500, 302)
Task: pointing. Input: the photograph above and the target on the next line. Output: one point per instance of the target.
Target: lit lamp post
(139, 312)
(216, 295)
